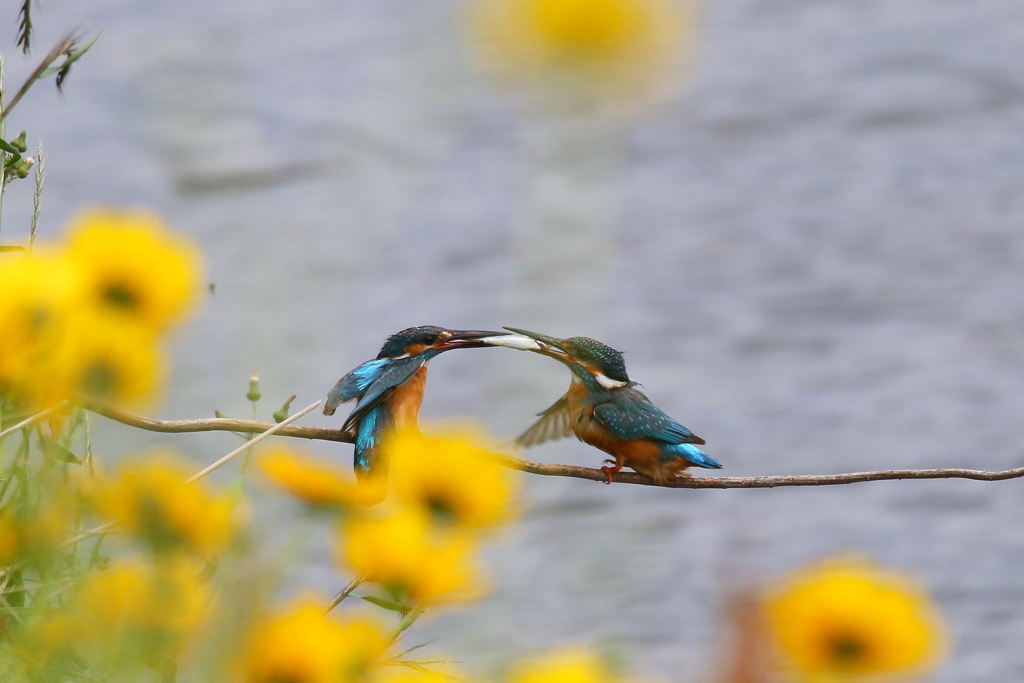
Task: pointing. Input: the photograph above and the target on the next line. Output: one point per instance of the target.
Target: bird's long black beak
(469, 339)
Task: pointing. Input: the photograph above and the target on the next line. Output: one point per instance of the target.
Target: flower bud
(282, 415)
(254, 387)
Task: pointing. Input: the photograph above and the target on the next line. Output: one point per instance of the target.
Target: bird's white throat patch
(609, 383)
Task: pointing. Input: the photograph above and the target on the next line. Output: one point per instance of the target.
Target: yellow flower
(151, 499)
(101, 356)
(302, 645)
(394, 674)
(131, 599)
(851, 620)
(134, 267)
(130, 615)
(36, 294)
(402, 551)
(36, 533)
(567, 665)
(35, 537)
(452, 478)
(591, 47)
(318, 484)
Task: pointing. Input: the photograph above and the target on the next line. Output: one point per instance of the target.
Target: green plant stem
(345, 592)
(3, 135)
(248, 453)
(37, 196)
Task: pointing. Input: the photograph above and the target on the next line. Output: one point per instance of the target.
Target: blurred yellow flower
(134, 267)
(454, 478)
(100, 356)
(402, 551)
(302, 645)
(166, 597)
(851, 620)
(150, 498)
(404, 674)
(319, 484)
(589, 47)
(36, 535)
(566, 665)
(36, 294)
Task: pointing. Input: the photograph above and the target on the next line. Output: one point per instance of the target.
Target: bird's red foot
(610, 471)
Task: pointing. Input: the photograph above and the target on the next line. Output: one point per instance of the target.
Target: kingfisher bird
(390, 387)
(604, 408)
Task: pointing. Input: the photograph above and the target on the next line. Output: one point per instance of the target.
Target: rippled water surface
(813, 258)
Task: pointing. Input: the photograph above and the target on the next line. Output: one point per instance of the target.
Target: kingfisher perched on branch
(604, 408)
(390, 387)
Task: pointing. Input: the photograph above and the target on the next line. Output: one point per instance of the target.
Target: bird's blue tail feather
(692, 454)
(368, 436)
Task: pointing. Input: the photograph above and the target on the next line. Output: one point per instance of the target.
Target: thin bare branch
(545, 469)
(213, 424)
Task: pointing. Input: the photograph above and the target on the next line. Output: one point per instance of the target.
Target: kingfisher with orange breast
(390, 387)
(604, 408)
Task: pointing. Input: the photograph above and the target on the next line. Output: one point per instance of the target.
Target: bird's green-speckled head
(587, 358)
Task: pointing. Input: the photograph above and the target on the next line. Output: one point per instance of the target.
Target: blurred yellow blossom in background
(39, 291)
(102, 357)
(582, 49)
(316, 483)
(164, 602)
(35, 533)
(134, 267)
(151, 499)
(85, 318)
(302, 645)
(132, 614)
(848, 619)
(412, 558)
(565, 665)
(453, 477)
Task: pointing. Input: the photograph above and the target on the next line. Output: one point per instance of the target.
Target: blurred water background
(811, 249)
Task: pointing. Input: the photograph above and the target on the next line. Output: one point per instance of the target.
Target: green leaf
(8, 147)
(72, 58)
(64, 455)
(387, 604)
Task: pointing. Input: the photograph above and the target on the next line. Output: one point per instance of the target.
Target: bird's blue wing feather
(394, 375)
(628, 414)
(354, 384)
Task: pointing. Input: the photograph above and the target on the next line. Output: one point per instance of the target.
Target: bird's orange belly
(627, 452)
(405, 401)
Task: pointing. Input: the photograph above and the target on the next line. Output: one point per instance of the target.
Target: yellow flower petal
(150, 498)
(316, 483)
(566, 665)
(301, 645)
(455, 478)
(134, 267)
(402, 551)
(850, 618)
(591, 48)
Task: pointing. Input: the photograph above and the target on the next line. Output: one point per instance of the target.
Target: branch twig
(761, 482)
